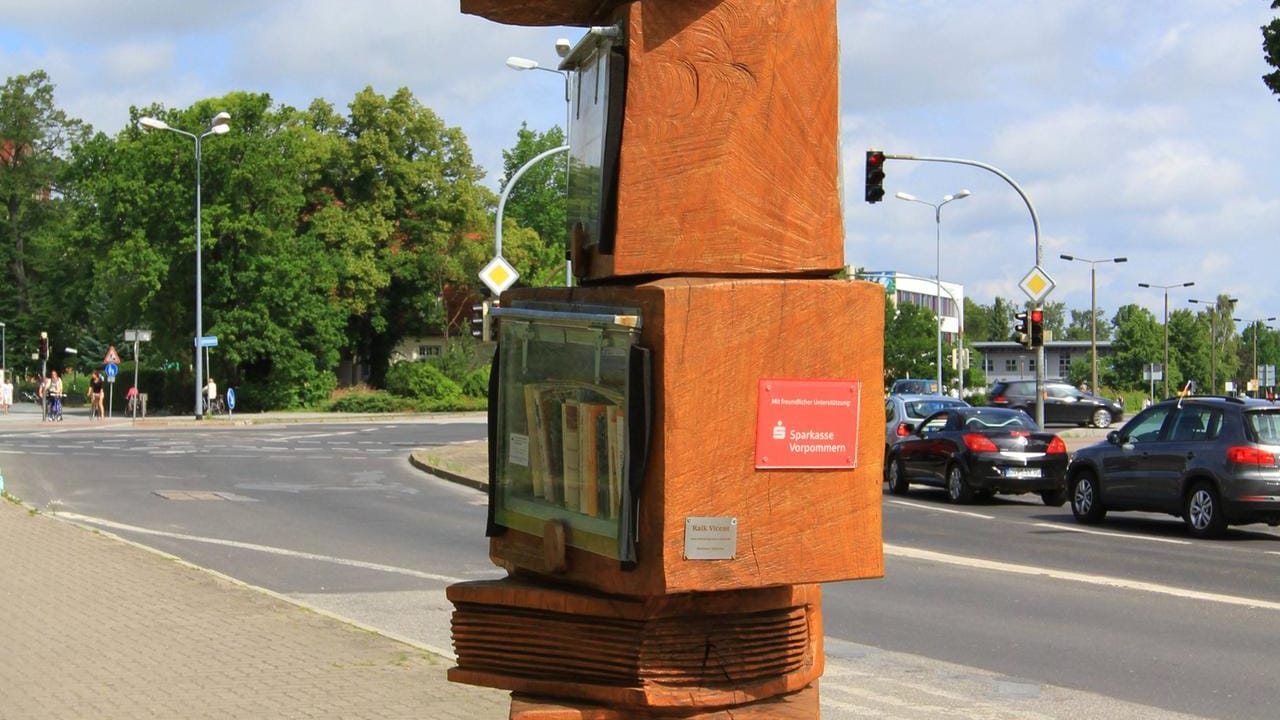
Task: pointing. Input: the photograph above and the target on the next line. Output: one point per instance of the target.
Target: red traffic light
(1037, 316)
(875, 157)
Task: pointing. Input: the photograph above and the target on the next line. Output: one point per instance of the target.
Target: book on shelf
(571, 438)
(593, 450)
(534, 429)
(616, 444)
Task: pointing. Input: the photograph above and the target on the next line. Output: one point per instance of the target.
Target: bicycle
(217, 406)
(54, 408)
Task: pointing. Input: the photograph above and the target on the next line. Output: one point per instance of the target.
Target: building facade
(1008, 360)
(947, 304)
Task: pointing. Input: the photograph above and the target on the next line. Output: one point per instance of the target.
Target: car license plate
(1022, 472)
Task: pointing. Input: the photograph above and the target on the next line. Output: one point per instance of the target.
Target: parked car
(914, 386)
(903, 413)
(980, 451)
(1063, 403)
(1210, 460)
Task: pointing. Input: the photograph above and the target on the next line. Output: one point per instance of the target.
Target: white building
(947, 304)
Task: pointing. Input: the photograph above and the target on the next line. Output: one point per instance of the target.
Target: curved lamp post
(1093, 309)
(217, 126)
(519, 63)
(937, 215)
(1213, 338)
(1166, 288)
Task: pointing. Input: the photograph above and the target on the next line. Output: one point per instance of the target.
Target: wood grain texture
(692, 650)
(713, 340)
(730, 156)
(800, 705)
(544, 12)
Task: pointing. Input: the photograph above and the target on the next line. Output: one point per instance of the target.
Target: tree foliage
(326, 238)
(536, 202)
(1271, 50)
(910, 343)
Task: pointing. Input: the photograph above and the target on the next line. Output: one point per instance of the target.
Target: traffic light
(1037, 328)
(483, 324)
(480, 320)
(1022, 329)
(875, 176)
(44, 345)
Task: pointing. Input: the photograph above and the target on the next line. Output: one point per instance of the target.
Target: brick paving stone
(92, 626)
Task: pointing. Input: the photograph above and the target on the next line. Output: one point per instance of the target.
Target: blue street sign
(111, 369)
(208, 341)
(231, 399)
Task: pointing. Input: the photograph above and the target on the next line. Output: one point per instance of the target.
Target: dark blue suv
(1210, 460)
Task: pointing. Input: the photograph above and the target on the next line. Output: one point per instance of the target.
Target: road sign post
(135, 337)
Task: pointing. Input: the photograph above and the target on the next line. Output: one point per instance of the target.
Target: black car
(1063, 403)
(980, 451)
(1210, 460)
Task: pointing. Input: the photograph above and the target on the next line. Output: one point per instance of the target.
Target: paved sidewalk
(94, 627)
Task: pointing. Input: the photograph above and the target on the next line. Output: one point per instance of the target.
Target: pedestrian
(6, 393)
(96, 388)
(131, 399)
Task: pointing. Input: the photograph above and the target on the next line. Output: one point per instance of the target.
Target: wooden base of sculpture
(690, 651)
(800, 705)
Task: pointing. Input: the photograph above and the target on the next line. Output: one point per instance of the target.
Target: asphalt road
(986, 611)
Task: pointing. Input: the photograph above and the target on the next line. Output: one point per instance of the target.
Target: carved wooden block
(713, 340)
(800, 705)
(730, 158)
(689, 650)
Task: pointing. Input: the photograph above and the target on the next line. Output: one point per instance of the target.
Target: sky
(1136, 129)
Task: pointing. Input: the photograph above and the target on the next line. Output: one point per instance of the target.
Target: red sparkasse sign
(807, 424)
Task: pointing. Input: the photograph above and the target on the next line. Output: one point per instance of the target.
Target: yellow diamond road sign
(499, 275)
(1037, 284)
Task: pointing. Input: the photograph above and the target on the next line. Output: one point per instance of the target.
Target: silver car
(903, 413)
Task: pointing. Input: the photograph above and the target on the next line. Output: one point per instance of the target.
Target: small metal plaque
(710, 538)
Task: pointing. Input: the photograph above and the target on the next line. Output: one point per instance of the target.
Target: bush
(421, 381)
(476, 383)
(376, 401)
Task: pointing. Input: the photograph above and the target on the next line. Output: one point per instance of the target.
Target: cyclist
(96, 388)
(53, 395)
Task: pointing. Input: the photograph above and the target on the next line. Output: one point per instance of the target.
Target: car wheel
(1054, 498)
(958, 490)
(1202, 511)
(1086, 498)
(1102, 418)
(898, 483)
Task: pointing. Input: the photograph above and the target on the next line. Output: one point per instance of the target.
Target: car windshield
(1265, 425)
(925, 408)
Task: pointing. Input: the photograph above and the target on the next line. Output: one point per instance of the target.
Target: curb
(421, 461)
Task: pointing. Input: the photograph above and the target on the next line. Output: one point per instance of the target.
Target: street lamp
(1093, 309)
(1213, 338)
(3, 365)
(1166, 288)
(937, 215)
(1257, 325)
(519, 63)
(217, 126)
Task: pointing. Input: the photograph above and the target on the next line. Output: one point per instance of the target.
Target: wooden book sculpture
(684, 446)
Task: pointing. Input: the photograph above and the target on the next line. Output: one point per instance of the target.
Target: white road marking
(1101, 580)
(934, 508)
(311, 435)
(260, 548)
(1086, 531)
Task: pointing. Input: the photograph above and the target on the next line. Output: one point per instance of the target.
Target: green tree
(909, 341)
(1139, 342)
(1271, 50)
(415, 177)
(977, 321)
(35, 137)
(1001, 327)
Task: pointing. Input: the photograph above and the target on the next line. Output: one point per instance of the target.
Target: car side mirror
(1114, 438)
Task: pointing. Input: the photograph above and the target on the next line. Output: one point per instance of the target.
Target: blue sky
(1137, 128)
